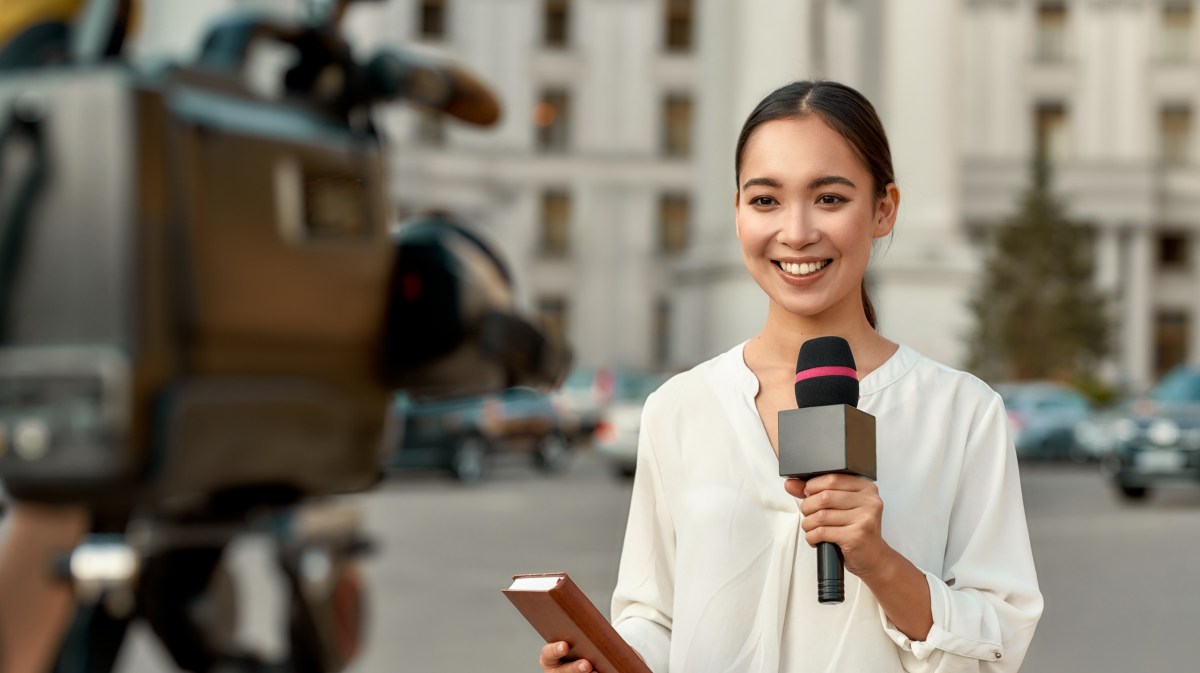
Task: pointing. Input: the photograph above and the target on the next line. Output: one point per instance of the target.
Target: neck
(785, 332)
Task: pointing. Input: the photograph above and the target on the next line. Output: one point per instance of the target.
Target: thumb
(795, 487)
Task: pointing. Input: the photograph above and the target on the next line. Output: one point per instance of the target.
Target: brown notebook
(558, 610)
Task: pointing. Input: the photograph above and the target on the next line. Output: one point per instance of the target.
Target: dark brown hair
(846, 111)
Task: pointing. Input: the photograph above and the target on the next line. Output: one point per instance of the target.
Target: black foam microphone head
(825, 373)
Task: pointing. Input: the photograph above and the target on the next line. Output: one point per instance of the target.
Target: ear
(886, 210)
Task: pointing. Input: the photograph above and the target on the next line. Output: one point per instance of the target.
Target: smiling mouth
(803, 268)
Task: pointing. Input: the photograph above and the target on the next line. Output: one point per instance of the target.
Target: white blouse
(716, 575)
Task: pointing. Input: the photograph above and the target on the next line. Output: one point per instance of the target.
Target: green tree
(1037, 311)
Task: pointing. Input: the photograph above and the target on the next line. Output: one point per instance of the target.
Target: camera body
(197, 302)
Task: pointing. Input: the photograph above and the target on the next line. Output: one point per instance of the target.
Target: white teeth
(802, 268)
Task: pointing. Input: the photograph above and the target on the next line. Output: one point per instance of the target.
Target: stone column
(926, 271)
(1137, 311)
(1108, 280)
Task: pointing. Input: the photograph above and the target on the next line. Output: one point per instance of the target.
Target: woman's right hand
(551, 660)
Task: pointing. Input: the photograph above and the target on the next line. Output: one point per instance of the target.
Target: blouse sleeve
(644, 594)
(987, 602)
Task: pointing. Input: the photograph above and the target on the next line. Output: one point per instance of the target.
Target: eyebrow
(830, 180)
(763, 182)
(816, 183)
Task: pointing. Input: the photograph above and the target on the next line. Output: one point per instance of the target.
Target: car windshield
(1040, 397)
(636, 387)
(579, 379)
(1008, 394)
(1181, 385)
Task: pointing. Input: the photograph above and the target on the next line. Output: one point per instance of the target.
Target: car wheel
(553, 453)
(1047, 450)
(1078, 455)
(470, 460)
(1133, 492)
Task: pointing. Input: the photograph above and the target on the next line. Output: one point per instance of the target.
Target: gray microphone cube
(819, 440)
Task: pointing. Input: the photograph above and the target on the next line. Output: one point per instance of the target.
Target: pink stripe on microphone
(826, 371)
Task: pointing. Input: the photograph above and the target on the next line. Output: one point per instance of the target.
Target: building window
(1177, 31)
(674, 221)
(1051, 34)
(677, 125)
(1171, 337)
(553, 313)
(1173, 251)
(679, 25)
(431, 128)
(1175, 134)
(1050, 132)
(662, 332)
(432, 19)
(556, 222)
(556, 18)
(552, 116)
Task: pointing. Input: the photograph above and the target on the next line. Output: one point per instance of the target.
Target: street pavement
(1122, 582)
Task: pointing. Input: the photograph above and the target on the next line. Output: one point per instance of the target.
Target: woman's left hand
(847, 511)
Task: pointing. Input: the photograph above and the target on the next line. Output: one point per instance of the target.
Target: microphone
(827, 433)
(434, 83)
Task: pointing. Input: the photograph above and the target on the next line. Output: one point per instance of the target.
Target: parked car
(1043, 416)
(1157, 439)
(463, 434)
(1095, 437)
(587, 392)
(582, 399)
(617, 435)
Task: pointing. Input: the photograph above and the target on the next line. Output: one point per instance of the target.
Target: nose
(798, 229)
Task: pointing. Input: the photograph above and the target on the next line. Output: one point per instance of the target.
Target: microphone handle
(831, 574)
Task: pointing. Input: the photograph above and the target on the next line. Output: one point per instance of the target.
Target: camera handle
(24, 125)
(390, 75)
(325, 72)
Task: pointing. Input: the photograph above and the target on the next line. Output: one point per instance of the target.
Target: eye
(763, 201)
(830, 199)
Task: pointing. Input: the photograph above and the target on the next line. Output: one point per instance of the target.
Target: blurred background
(1047, 158)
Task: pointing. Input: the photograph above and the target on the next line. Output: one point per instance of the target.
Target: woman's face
(806, 216)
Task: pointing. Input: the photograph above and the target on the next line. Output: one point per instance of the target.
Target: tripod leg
(172, 585)
(325, 628)
(93, 641)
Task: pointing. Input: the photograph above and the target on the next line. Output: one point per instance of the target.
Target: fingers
(830, 518)
(551, 660)
(839, 500)
(838, 482)
(848, 521)
(839, 508)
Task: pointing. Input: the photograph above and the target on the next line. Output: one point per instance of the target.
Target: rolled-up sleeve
(644, 594)
(986, 603)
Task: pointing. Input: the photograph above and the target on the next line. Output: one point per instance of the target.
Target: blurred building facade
(587, 182)
(1108, 92)
(609, 182)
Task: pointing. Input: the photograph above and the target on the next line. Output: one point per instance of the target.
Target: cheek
(747, 233)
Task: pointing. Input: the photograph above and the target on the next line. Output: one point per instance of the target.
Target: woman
(717, 573)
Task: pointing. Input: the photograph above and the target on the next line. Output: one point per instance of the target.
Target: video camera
(201, 290)
(204, 304)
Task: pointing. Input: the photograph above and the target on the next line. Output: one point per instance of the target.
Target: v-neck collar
(892, 369)
(736, 386)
